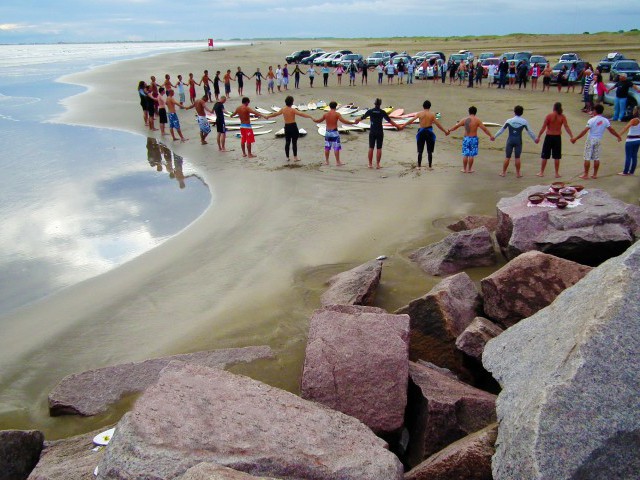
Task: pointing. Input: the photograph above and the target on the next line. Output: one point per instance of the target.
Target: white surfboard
(492, 124)
(302, 108)
(312, 106)
(352, 128)
(301, 131)
(321, 103)
(275, 108)
(264, 111)
(259, 132)
(359, 113)
(363, 125)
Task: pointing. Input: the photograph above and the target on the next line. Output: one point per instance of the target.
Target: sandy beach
(250, 270)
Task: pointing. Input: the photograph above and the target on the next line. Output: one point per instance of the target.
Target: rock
(69, 459)
(468, 458)
(474, 338)
(91, 392)
(527, 284)
(570, 404)
(471, 248)
(19, 453)
(196, 414)
(442, 410)
(474, 221)
(211, 471)
(354, 309)
(354, 287)
(439, 317)
(358, 363)
(601, 228)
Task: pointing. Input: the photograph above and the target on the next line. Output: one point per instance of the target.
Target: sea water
(78, 201)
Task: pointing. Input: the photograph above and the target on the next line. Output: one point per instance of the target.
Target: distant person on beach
(546, 77)
(515, 125)
(425, 135)
(325, 74)
(312, 75)
(167, 83)
(192, 88)
(491, 74)
(279, 78)
(522, 72)
(154, 86)
(352, 69)
(221, 127)
(205, 81)
(503, 71)
(391, 71)
(180, 86)
(174, 122)
(534, 73)
(400, 70)
(339, 71)
(216, 85)
(380, 70)
(247, 137)
(285, 76)
(332, 136)
(470, 141)
(622, 87)
(552, 145)
(296, 76)
(162, 110)
(365, 72)
(151, 108)
(240, 76)
(632, 145)
(258, 77)
(203, 122)
(291, 131)
(270, 80)
(142, 93)
(227, 83)
(376, 131)
(596, 127)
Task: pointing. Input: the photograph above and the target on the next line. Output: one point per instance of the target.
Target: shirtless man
(167, 83)
(270, 78)
(425, 134)
(205, 80)
(244, 111)
(332, 136)
(221, 128)
(291, 132)
(376, 131)
(227, 83)
(174, 122)
(552, 145)
(162, 110)
(203, 122)
(470, 142)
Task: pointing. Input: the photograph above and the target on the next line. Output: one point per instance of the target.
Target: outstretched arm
(302, 114)
(319, 120)
(614, 133)
(437, 123)
(566, 127)
(344, 120)
(580, 135)
(456, 126)
(486, 130)
(631, 123)
(544, 127)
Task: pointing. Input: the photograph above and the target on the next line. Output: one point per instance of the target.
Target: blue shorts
(173, 121)
(470, 146)
(332, 140)
(204, 125)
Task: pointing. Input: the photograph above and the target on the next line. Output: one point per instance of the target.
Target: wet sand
(250, 270)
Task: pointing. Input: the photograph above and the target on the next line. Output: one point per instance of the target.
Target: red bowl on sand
(536, 198)
(556, 186)
(553, 197)
(562, 203)
(578, 188)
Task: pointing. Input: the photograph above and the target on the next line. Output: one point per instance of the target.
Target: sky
(50, 21)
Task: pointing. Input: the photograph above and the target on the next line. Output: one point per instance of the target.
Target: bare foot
(252, 155)
(540, 174)
(204, 143)
(583, 176)
(463, 171)
(296, 159)
(471, 171)
(339, 164)
(430, 168)
(288, 160)
(326, 163)
(594, 176)
(623, 174)
(244, 155)
(378, 167)
(174, 138)
(558, 175)
(501, 174)
(370, 165)
(184, 140)
(154, 129)
(519, 176)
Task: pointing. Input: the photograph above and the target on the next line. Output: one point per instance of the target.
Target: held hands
(492, 138)
(573, 140)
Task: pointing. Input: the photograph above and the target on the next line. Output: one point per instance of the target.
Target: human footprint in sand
(247, 137)
(596, 127)
(332, 136)
(291, 132)
(203, 122)
(470, 141)
(174, 122)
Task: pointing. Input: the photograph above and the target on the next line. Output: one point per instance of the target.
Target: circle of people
(161, 101)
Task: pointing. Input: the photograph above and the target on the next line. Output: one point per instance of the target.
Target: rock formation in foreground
(357, 362)
(474, 338)
(196, 414)
(474, 221)
(91, 392)
(570, 404)
(354, 287)
(19, 453)
(211, 471)
(599, 229)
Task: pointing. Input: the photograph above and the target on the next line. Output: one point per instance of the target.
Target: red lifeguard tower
(210, 43)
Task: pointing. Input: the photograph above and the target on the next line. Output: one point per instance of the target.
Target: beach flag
(211, 43)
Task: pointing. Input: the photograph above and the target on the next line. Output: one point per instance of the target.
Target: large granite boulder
(442, 410)
(466, 459)
(600, 228)
(456, 252)
(527, 284)
(211, 471)
(19, 453)
(570, 404)
(196, 414)
(474, 221)
(474, 338)
(439, 317)
(69, 459)
(354, 287)
(91, 392)
(358, 363)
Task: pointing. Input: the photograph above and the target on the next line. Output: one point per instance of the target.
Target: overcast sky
(113, 20)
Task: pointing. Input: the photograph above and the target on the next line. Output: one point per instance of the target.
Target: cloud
(10, 27)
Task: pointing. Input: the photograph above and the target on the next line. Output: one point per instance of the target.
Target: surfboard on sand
(492, 124)
(397, 113)
(352, 128)
(312, 106)
(359, 113)
(253, 122)
(238, 127)
(264, 111)
(363, 125)
(301, 131)
(259, 132)
(275, 108)
(321, 103)
(302, 108)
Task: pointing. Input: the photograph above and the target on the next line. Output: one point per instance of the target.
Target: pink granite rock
(439, 317)
(91, 392)
(19, 453)
(600, 228)
(442, 410)
(474, 221)
(211, 471)
(466, 459)
(354, 287)
(358, 363)
(458, 251)
(196, 414)
(476, 336)
(526, 284)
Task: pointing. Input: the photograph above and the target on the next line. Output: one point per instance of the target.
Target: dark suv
(295, 57)
(610, 59)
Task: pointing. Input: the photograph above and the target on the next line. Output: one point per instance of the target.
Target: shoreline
(248, 271)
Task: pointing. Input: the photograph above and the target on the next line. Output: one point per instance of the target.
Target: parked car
(633, 99)
(610, 59)
(470, 55)
(429, 71)
(420, 56)
(630, 67)
(509, 56)
(580, 66)
(522, 56)
(539, 59)
(376, 57)
(442, 56)
(401, 57)
(319, 61)
(485, 55)
(308, 60)
(390, 53)
(356, 57)
(458, 57)
(485, 67)
(569, 57)
(335, 60)
(295, 57)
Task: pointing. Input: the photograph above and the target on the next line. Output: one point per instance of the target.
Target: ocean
(76, 201)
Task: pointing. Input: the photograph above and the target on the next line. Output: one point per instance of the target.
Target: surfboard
(363, 125)
(359, 113)
(322, 130)
(253, 122)
(301, 131)
(259, 132)
(352, 128)
(264, 111)
(312, 106)
(238, 127)
(104, 438)
(408, 115)
(275, 108)
(302, 108)
(397, 113)
(321, 103)
(492, 124)
(388, 109)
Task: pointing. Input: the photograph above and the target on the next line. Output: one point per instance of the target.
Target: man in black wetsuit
(503, 70)
(221, 128)
(376, 132)
(240, 78)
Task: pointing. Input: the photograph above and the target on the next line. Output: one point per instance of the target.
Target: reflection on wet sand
(160, 156)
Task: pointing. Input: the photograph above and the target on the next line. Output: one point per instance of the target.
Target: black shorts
(162, 113)
(552, 147)
(375, 139)
(546, 80)
(221, 127)
(151, 108)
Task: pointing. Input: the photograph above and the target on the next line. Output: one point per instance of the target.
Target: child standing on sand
(332, 136)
